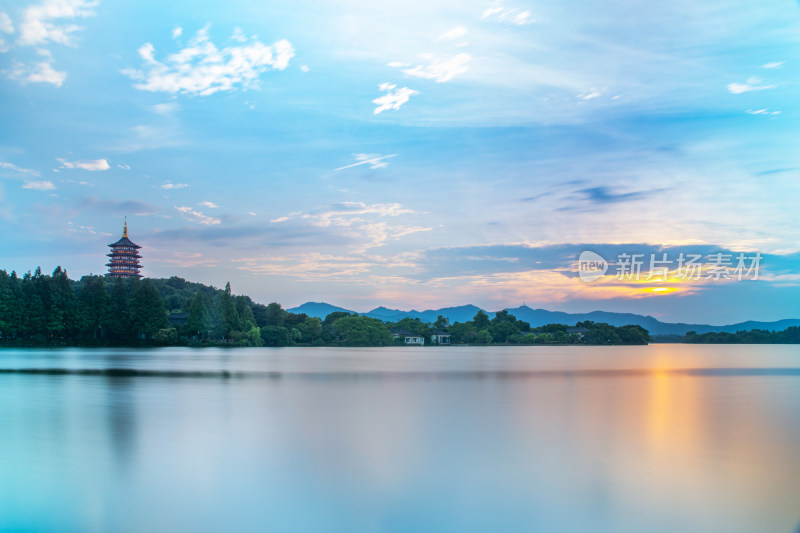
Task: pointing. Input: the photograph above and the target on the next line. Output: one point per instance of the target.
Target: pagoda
(124, 257)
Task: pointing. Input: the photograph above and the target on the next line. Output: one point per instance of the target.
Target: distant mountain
(317, 309)
(455, 314)
(540, 317)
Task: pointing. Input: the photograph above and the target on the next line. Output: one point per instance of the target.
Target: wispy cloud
(170, 185)
(509, 15)
(36, 71)
(89, 164)
(15, 168)
(210, 205)
(393, 99)
(599, 196)
(455, 33)
(7, 27)
(79, 228)
(752, 84)
(375, 161)
(345, 213)
(39, 185)
(203, 69)
(197, 216)
(774, 64)
(166, 108)
(762, 112)
(74, 182)
(438, 68)
(590, 94)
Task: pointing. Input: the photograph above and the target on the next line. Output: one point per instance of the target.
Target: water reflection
(121, 419)
(689, 439)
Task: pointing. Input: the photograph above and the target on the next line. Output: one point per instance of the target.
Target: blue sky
(408, 154)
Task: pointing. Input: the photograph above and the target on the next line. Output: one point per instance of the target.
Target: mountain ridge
(539, 317)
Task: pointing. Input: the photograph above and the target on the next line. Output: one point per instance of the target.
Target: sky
(416, 154)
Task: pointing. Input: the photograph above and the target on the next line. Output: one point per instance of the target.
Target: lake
(659, 438)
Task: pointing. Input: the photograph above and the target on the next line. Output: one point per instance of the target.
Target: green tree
(275, 336)
(166, 336)
(362, 331)
(117, 321)
(11, 305)
(230, 318)
(147, 310)
(440, 323)
(502, 330)
(480, 320)
(93, 301)
(275, 315)
(310, 328)
(245, 312)
(333, 317)
(198, 321)
(463, 333)
(484, 337)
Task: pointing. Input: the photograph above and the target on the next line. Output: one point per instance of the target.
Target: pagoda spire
(124, 256)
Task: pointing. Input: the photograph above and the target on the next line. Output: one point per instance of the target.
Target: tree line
(40, 309)
(755, 336)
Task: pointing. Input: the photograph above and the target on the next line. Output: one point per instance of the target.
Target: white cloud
(166, 108)
(375, 161)
(762, 112)
(393, 99)
(252, 214)
(238, 35)
(458, 31)
(197, 216)
(439, 69)
(590, 94)
(5, 27)
(210, 205)
(177, 31)
(37, 72)
(279, 219)
(508, 15)
(124, 167)
(304, 68)
(170, 185)
(92, 164)
(10, 166)
(5, 23)
(41, 22)
(774, 64)
(346, 213)
(39, 185)
(203, 69)
(77, 228)
(751, 85)
(44, 23)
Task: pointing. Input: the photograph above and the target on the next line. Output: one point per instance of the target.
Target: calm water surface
(660, 438)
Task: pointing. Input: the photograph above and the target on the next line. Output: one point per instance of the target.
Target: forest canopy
(41, 309)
